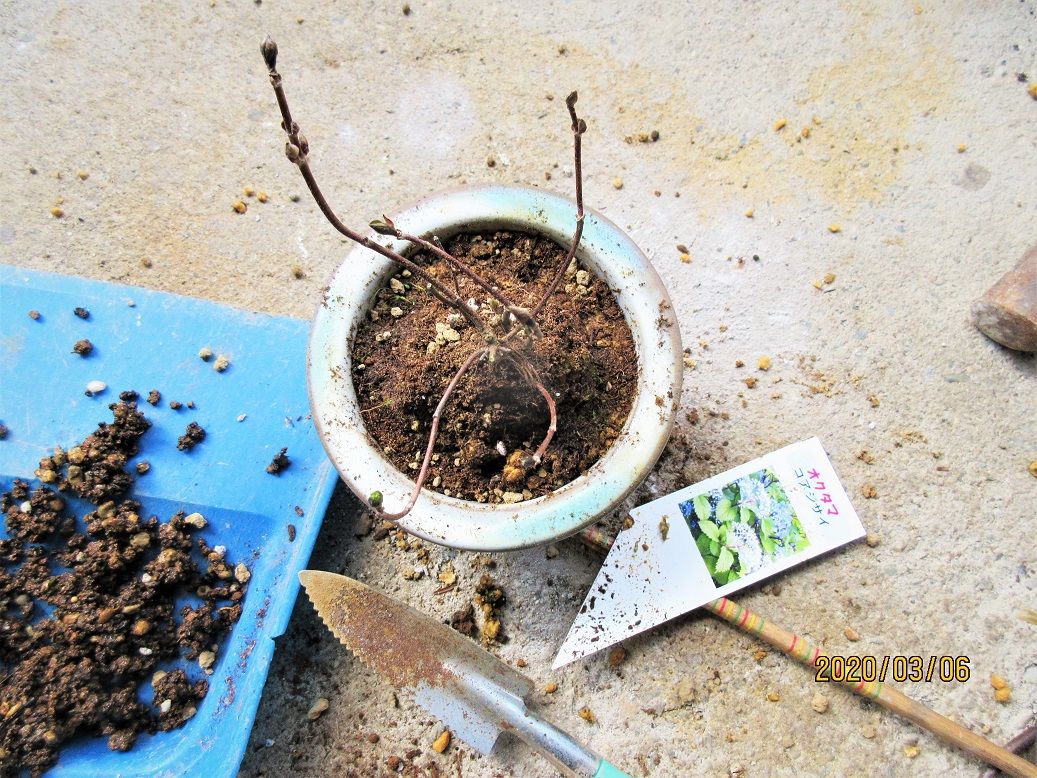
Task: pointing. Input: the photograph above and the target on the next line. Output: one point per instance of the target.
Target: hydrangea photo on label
(743, 526)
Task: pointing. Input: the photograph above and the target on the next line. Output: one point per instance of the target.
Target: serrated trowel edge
(415, 653)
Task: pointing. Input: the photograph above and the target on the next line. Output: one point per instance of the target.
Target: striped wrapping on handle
(806, 652)
(799, 648)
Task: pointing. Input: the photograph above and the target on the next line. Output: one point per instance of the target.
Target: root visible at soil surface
(411, 344)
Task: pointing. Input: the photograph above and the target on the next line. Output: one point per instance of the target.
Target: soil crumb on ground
(411, 344)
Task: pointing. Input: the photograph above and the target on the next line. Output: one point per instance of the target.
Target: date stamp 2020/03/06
(901, 669)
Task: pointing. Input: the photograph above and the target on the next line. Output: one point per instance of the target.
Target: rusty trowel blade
(418, 654)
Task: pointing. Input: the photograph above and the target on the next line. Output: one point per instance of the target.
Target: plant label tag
(711, 539)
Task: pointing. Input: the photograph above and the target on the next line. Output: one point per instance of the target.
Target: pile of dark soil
(87, 617)
(411, 344)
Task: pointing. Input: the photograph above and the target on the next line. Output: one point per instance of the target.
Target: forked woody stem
(297, 151)
(530, 373)
(385, 226)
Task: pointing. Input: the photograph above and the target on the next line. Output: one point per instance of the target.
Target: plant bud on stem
(269, 50)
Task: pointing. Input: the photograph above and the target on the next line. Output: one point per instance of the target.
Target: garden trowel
(471, 691)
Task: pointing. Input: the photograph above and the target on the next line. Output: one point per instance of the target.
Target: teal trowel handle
(609, 770)
(507, 712)
(563, 750)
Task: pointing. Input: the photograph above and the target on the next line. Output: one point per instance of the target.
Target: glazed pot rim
(609, 254)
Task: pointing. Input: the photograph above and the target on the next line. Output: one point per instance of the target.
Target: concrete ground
(921, 150)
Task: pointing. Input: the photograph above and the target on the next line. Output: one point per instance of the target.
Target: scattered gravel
(319, 707)
(441, 743)
(196, 520)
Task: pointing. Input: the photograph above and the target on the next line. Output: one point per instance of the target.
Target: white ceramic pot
(609, 254)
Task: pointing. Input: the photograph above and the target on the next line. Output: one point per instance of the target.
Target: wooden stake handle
(806, 652)
(955, 734)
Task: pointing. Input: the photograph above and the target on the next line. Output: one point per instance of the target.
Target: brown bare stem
(1016, 745)
(519, 313)
(432, 435)
(453, 277)
(579, 126)
(297, 150)
(469, 314)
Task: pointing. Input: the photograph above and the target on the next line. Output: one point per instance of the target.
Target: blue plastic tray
(154, 345)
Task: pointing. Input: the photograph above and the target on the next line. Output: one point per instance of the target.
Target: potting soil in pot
(411, 344)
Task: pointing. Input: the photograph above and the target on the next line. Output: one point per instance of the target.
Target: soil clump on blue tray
(92, 611)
